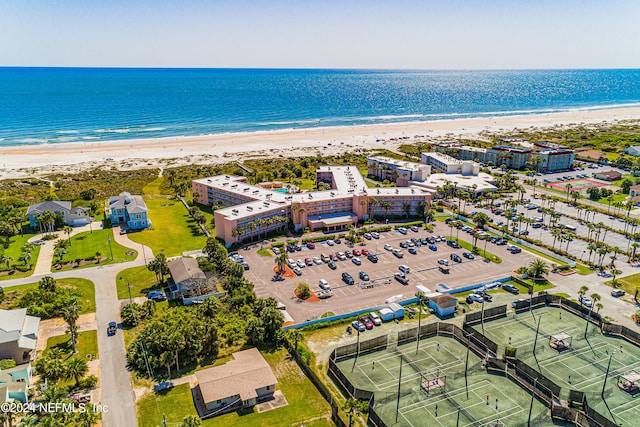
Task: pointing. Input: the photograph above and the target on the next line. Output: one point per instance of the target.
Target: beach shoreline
(36, 160)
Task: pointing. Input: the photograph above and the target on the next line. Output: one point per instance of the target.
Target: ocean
(57, 105)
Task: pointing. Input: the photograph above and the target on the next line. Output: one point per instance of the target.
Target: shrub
(89, 382)
(303, 291)
(7, 363)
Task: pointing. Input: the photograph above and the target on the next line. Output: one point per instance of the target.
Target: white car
(341, 256)
(443, 261)
(356, 260)
(291, 262)
(585, 300)
(375, 318)
(330, 242)
(298, 271)
(402, 230)
(388, 247)
(301, 263)
(375, 235)
(317, 260)
(367, 236)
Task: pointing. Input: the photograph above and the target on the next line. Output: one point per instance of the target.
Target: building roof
(5, 374)
(635, 188)
(50, 205)
(242, 376)
(443, 300)
(609, 173)
(183, 269)
(15, 325)
(463, 182)
(133, 204)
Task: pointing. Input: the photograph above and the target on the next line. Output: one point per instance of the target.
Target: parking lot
(382, 286)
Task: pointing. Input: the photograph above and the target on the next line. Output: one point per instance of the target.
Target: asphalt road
(115, 384)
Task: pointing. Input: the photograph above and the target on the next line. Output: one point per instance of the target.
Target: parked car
(317, 260)
(245, 265)
(347, 278)
(617, 292)
(367, 236)
(585, 300)
(276, 251)
(375, 318)
(511, 288)
(487, 297)
(453, 244)
(468, 255)
(373, 258)
(363, 276)
(443, 261)
(301, 263)
(324, 284)
(375, 234)
(156, 296)
(365, 252)
(311, 245)
(402, 230)
(455, 258)
(348, 253)
(475, 298)
(291, 263)
(388, 247)
(412, 251)
(297, 270)
(308, 261)
(332, 265)
(414, 228)
(356, 260)
(164, 385)
(398, 253)
(356, 252)
(366, 322)
(400, 277)
(433, 247)
(341, 256)
(358, 326)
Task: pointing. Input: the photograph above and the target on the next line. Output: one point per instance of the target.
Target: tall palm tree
(70, 314)
(582, 292)
(281, 261)
(538, 268)
(68, 231)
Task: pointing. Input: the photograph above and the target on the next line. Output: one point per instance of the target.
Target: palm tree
(598, 307)
(70, 314)
(556, 232)
(76, 368)
(47, 284)
(296, 336)
(538, 268)
(68, 231)
(6, 259)
(281, 261)
(568, 237)
(190, 421)
(582, 292)
(352, 406)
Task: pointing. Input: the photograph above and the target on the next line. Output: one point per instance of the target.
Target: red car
(365, 252)
(308, 261)
(333, 257)
(311, 245)
(356, 252)
(366, 322)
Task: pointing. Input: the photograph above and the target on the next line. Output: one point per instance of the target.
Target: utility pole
(110, 249)
(606, 375)
(129, 288)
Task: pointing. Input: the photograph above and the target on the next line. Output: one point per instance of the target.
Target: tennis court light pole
(535, 343)
(533, 394)
(458, 417)
(420, 295)
(606, 375)
(399, 382)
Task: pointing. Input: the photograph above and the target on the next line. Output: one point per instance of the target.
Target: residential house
(634, 190)
(187, 278)
(633, 150)
(608, 175)
(18, 334)
(71, 216)
(129, 210)
(14, 383)
(239, 383)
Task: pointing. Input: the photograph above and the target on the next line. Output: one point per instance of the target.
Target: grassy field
(628, 283)
(87, 343)
(616, 198)
(141, 280)
(174, 231)
(14, 251)
(480, 245)
(304, 402)
(85, 289)
(88, 244)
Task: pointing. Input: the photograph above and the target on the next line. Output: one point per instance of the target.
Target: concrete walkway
(144, 252)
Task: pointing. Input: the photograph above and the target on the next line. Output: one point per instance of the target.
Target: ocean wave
(156, 129)
(32, 141)
(64, 139)
(68, 132)
(90, 137)
(289, 122)
(121, 130)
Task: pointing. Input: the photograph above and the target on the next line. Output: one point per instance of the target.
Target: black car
(453, 244)
(347, 278)
(456, 258)
(510, 288)
(373, 258)
(487, 297)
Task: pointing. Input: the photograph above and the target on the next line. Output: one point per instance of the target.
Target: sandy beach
(22, 161)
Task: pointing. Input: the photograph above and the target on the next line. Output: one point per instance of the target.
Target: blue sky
(426, 34)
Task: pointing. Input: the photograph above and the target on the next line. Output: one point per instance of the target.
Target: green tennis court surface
(480, 398)
(581, 367)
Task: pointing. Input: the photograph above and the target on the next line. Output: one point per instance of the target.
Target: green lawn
(85, 289)
(627, 283)
(303, 399)
(616, 198)
(141, 280)
(174, 231)
(14, 251)
(87, 343)
(480, 245)
(88, 244)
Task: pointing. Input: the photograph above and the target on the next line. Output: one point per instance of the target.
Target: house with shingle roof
(72, 216)
(130, 211)
(18, 334)
(242, 382)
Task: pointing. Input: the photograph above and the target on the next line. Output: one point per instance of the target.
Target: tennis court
(480, 398)
(581, 366)
(577, 184)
